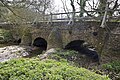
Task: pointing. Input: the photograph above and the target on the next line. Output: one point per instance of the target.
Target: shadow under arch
(17, 41)
(74, 45)
(40, 42)
(82, 47)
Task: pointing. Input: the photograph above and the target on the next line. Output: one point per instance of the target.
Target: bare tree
(65, 8)
(82, 4)
(28, 7)
(73, 11)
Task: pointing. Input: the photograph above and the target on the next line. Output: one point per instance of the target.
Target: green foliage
(6, 34)
(33, 69)
(73, 57)
(113, 66)
(62, 55)
(113, 69)
(68, 53)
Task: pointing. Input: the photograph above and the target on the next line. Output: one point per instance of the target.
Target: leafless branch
(105, 15)
(64, 7)
(10, 9)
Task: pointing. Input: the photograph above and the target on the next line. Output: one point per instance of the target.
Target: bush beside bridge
(33, 69)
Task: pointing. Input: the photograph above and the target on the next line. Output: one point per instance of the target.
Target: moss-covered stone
(55, 39)
(26, 37)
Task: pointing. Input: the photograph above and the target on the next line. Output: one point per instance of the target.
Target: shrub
(6, 35)
(73, 57)
(33, 69)
(113, 69)
(112, 66)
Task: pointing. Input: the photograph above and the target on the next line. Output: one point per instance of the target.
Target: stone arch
(40, 42)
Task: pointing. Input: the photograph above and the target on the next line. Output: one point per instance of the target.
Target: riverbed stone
(10, 52)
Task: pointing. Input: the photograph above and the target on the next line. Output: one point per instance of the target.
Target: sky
(59, 6)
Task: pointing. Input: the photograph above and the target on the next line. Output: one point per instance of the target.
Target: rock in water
(55, 39)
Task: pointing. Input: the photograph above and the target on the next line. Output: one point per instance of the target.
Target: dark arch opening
(40, 43)
(75, 45)
(17, 42)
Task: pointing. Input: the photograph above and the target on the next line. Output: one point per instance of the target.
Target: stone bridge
(80, 31)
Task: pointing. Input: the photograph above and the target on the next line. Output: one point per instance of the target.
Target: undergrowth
(112, 69)
(34, 69)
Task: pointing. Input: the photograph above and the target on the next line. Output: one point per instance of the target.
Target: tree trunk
(103, 36)
(104, 17)
(73, 16)
(101, 39)
(73, 12)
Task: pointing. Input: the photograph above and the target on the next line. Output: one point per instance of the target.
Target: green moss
(6, 35)
(32, 69)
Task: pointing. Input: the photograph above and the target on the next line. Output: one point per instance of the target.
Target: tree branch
(64, 7)
(105, 15)
(10, 9)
